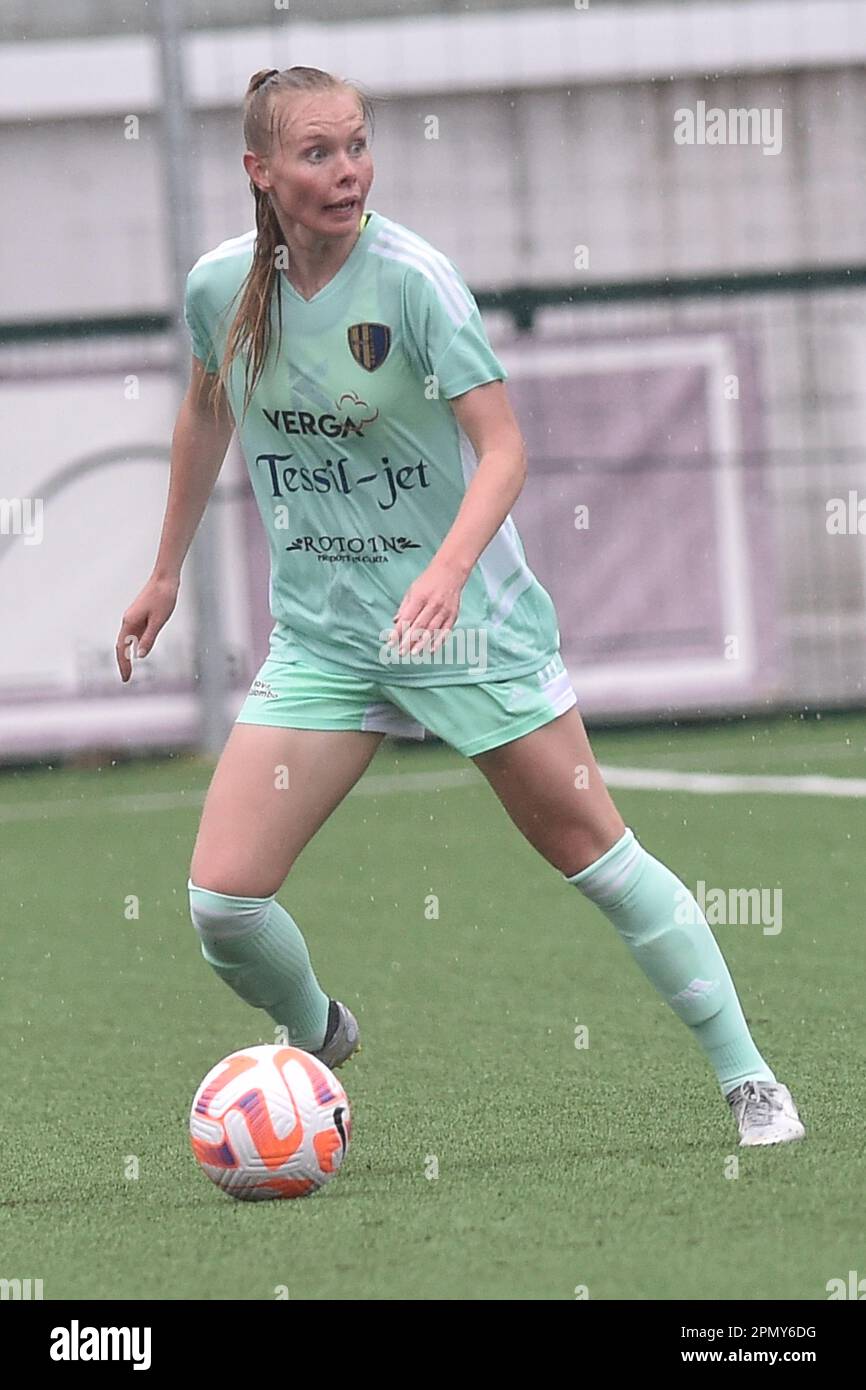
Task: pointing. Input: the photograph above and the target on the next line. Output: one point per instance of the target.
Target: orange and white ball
(270, 1121)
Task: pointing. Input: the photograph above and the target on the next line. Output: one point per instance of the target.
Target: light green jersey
(359, 466)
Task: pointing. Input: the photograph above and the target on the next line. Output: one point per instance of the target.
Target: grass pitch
(611, 1168)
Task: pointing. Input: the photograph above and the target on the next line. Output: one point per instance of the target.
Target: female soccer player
(385, 458)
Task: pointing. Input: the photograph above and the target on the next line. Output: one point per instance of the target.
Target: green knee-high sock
(662, 925)
(255, 946)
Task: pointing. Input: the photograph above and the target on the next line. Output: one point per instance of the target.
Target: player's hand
(143, 619)
(429, 608)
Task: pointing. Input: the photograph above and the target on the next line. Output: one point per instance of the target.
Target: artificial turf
(612, 1168)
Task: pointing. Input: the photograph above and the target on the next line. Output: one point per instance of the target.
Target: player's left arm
(432, 601)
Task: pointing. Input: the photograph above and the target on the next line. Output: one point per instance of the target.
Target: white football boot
(341, 1036)
(765, 1113)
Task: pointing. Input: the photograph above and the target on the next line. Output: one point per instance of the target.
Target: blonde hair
(250, 329)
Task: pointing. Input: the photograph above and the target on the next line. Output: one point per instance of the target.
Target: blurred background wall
(683, 323)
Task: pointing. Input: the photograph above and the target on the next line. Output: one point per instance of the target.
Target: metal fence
(717, 441)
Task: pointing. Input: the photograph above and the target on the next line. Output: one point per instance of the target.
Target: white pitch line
(624, 778)
(727, 783)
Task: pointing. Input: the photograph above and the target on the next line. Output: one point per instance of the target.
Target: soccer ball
(270, 1121)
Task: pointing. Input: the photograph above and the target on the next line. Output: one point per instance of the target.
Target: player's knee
(221, 914)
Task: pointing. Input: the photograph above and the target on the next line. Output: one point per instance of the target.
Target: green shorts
(471, 718)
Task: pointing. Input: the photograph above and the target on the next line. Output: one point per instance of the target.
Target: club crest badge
(369, 344)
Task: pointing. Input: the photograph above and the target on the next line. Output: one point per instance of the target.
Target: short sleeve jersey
(358, 464)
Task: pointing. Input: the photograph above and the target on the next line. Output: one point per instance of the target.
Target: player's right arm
(198, 447)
